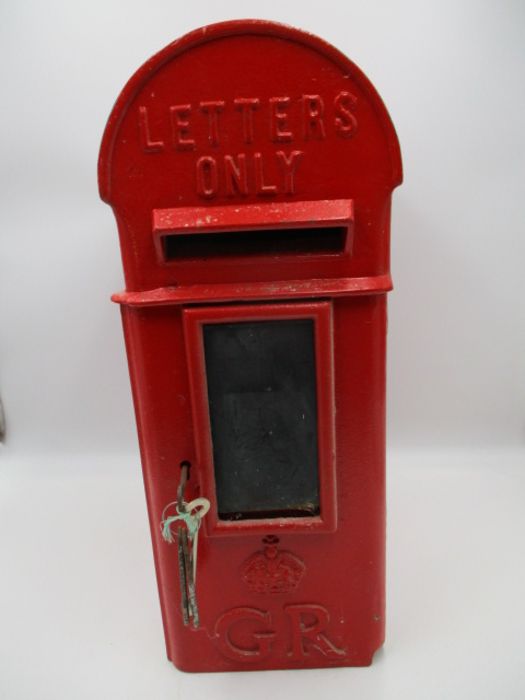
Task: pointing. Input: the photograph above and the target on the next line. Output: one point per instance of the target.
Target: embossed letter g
(242, 648)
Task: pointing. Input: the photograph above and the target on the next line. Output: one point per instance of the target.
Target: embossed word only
(247, 120)
(246, 634)
(245, 173)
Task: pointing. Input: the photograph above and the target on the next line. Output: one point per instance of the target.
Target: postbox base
(294, 659)
(212, 667)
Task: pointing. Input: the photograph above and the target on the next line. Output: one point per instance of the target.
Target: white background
(79, 615)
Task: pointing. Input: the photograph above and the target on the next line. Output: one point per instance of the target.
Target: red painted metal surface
(243, 128)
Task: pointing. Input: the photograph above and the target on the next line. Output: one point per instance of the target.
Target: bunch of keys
(189, 517)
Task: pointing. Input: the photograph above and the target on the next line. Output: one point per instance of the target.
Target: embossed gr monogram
(245, 634)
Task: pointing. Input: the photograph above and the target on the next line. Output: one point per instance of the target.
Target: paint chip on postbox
(250, 167)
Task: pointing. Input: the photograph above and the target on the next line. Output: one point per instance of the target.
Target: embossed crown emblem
(272, 570)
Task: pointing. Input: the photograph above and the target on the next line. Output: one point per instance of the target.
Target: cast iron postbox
(250, 168)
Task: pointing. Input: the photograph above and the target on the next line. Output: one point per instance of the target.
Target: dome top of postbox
(256, 126)
(248, 88)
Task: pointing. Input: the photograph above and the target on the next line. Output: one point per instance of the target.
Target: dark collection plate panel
(263, 412)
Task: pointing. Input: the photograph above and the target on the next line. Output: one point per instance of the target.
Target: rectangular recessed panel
(263, 413)
(293, 241)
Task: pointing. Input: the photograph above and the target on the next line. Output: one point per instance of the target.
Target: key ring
(189, 517)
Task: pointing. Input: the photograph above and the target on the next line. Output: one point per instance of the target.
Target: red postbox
(250, 167)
